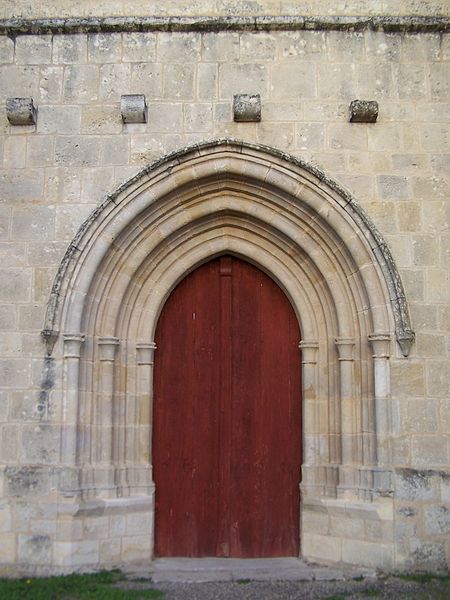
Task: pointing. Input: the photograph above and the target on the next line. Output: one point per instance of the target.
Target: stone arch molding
(288, 219)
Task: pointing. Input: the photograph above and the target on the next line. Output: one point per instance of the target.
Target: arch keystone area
(219, 161)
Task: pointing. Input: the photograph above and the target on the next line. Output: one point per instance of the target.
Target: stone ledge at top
(36, 9)
(406, 24)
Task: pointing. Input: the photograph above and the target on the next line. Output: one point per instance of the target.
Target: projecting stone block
(247, 107)
(363, 111)
(21, 111)
(133, 108)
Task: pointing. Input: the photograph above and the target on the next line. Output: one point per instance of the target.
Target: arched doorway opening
(227, 416)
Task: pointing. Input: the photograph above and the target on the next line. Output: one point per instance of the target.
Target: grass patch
(95, 586)
(243, 581)
(371, 592)
(424, 577)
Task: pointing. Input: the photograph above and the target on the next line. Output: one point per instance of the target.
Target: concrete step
(233, 569)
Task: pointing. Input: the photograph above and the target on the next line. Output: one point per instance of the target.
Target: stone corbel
(133, 108)
(247, 108)
(21, 111)
(363, 111)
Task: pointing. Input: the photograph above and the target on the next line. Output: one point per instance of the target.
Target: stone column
(345, 348)
(71, 374)
(145, 353)
(104, 417)
(380, 353)
(311, 414)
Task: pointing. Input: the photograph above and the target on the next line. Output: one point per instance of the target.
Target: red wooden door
(227, 430)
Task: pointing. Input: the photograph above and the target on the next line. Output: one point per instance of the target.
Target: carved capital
(108, 346)
(345, 347)
(72, 344)
(380, 344)
(145, 353)
(309, 351)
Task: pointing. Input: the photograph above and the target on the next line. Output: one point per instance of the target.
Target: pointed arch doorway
(227, 416)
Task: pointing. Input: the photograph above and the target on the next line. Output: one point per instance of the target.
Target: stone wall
(54, 173)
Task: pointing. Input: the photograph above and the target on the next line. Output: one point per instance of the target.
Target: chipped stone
(363, 111)
(21, 111)
(247, 108)
(133, 108)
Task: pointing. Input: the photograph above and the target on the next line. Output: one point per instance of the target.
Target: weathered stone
(34, 549)
(242, 79)
(198, 117)
(437, 520)
(14, 152)
(77, 151)
(40, 152)
(178, 83)
(33, 223)
(138, 47)
(81, 84)
(103, 48)
(33, 49)
(69, 49)
(247, 107)
(414, 484)
(59, 119)
(133, 108)
(429, 450)
(290, 81)
(363, 111)
(220, 47)
(21, 111)
(114, 79)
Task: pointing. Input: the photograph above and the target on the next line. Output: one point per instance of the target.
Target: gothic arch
(288, 219)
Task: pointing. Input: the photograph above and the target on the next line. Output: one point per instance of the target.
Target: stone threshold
(409, 24)
(201, 570)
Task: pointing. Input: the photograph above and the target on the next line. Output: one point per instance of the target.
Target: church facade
(224, 283)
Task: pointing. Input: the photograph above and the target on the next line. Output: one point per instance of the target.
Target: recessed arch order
(287, 218)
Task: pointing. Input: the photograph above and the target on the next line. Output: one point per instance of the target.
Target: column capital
(72, 344)
(145, 351)
(108, 345)
(309, 351)
(345, 347)
(381, 343)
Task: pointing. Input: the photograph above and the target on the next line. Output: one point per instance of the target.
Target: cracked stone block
(363, 111)
(247, 107)
(21, 111)
(133, 108)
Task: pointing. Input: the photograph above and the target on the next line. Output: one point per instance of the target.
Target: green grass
(243, 581)
(96, 586)
(424, 577)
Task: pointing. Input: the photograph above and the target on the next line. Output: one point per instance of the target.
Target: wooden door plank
(186, 418)
(266, 425)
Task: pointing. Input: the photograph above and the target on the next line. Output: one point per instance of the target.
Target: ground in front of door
(282, 579)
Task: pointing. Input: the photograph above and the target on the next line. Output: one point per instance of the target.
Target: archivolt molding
(211, 198)
(289, 220)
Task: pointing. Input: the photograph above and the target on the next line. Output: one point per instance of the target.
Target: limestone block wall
(54, 173)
